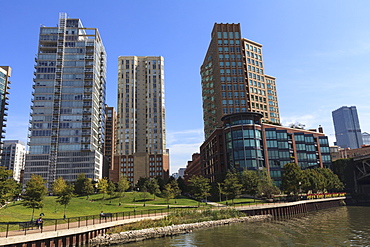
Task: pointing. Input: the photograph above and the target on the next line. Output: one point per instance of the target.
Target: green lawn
(79, 206)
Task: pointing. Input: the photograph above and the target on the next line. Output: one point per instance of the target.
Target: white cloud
(308, 120)
(182, 144)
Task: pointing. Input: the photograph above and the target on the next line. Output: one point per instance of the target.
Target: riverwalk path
(70, 228)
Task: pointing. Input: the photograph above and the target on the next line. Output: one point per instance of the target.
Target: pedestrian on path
(39, 223)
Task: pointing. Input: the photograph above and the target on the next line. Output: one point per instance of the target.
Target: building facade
(345, 153)
(5, 73)
(347, 127)
(245, 142)
(67, 118)
(193, 168)
(110, 141)
(234, 79)
(13, 157)
(141, 131)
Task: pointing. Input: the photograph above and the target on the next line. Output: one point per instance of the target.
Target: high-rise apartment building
(234, 79)
(13, 157)
(5, 73)
(67, 119)
(141, 131)
(347, 127)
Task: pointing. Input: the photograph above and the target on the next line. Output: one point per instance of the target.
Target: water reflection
(343, 226)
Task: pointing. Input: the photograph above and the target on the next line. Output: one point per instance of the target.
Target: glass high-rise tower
(347, 127)
(67, 119)
(234, 79)
(5, 73)
(141, 131)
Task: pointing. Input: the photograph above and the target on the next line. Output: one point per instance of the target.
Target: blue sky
(319, 51)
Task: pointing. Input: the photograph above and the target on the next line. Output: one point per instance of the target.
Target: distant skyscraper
(67, 119)
(234, 79)
(366, 138)
(141, 130)
(5, 73)
(13, 157)
(347, 127)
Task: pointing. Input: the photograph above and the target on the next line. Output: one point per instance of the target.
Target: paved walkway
(52, 231)
(215, 204)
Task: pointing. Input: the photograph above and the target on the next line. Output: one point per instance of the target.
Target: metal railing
(10, 229)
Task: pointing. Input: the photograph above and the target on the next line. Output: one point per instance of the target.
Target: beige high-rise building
(141, 133)
(234, 79)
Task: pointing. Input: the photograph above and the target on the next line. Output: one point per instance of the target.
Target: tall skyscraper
(234, 79)
(67, 119)
(366, 138)
(347, 127)
(5, 73)
(141, 130)
(13, 156)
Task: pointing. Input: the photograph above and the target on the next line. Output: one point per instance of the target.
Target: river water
(342, 226)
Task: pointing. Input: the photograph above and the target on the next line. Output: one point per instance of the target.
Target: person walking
(39, 223)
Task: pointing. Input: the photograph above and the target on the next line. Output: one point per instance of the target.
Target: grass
(181, 217)
(79, 206)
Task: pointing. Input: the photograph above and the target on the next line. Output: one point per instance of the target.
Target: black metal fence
(23, 228)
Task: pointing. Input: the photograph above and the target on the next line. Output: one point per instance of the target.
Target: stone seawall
(139, 235)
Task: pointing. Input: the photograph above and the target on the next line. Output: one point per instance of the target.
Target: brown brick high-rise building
(234, 79)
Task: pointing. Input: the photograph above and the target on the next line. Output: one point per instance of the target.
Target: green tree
(102, 187)
(331, 181)
(200, 188)
(87, 188)
(122, 186)
(79, 183)
(267, 186)
(182, 185)
(342, 168)
(141, 184)
(9, 188)
(111, 189)
(161, 182)
(175, 188)
(231, 186)
(152, 186)
(313, 181)
(34, 193)
(292, 178)
(57, 188)
(250, 182)
(65, 196)
(167, 193)
(83, 186)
